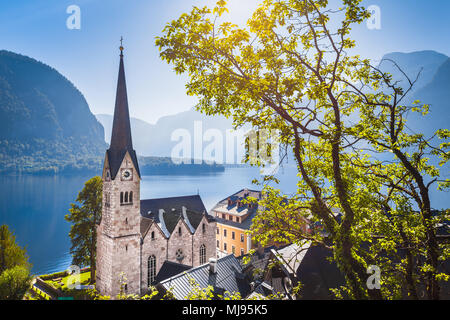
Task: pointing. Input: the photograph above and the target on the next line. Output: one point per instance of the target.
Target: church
(137, 238)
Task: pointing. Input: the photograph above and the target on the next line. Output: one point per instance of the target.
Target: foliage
(14, 283)
(15, 276)
(84, 219)
(345, 122)
(11, 254)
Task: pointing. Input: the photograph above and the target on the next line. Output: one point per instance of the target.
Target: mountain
(426, 62)
(46, 126)
(45, 122)
(155, 139)
(140, 130)
(432, 86)
(437, 95)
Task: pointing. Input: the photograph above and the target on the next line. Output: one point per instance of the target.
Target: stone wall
(156, 247)
(208, 238)
(183, 242)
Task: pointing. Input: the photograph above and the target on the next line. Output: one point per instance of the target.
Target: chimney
(212, 265)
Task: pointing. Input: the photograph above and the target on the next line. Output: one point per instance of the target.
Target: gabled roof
(292, 256)
(240, 195)
(311, 266)
(229, 277)
(244, 211)
(258, 261)
(173, 211)
(170, 269)
(121, 141)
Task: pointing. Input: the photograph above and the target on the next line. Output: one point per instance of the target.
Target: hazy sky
(89, 57)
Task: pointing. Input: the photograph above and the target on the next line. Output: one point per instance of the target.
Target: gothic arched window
(121, 197)
(151, 270)
(130, 198)
(202, 254)
(126, 197)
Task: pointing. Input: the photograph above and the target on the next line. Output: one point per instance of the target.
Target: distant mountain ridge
(425, 62)
(432, 86)
(45, 122)
(155, 139)
(46, 126)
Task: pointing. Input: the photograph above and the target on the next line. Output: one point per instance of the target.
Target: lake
(34, 206)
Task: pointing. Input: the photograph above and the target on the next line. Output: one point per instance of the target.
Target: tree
(11, 254)
(84, 219)
(14, 283)
(15, 276)
(290, 71)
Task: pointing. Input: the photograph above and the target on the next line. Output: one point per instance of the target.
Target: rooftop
(167, 211)
(229, 277)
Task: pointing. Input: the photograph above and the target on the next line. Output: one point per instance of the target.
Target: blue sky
(89, 56)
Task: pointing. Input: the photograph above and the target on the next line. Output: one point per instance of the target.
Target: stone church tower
(118, 234)
(143, 241)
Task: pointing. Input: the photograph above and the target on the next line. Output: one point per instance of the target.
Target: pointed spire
(121, 141)
(121, 131)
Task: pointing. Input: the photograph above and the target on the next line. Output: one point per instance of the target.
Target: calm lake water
(34, 207)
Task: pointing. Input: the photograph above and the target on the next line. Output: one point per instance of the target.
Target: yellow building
(234, 218)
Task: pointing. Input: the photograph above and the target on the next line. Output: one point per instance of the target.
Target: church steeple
(121, 140)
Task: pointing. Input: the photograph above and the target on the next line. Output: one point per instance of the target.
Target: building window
(230, 217)
(237, 219)
(179, 255)
(233, 249)
(126, 198)
(232, 235)
(107, 200)
(179, 231)
(203, 228)
(202, 254)
(242, 252)
(242, 237)
(153, 235)
(151, 270)
(224, 216)
(217, 229)
(218, 244)
(224, 232)
(224, 246)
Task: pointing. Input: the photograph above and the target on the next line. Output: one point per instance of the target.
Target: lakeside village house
(143, 242)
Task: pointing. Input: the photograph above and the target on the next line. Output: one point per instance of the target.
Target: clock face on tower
(127, 174)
